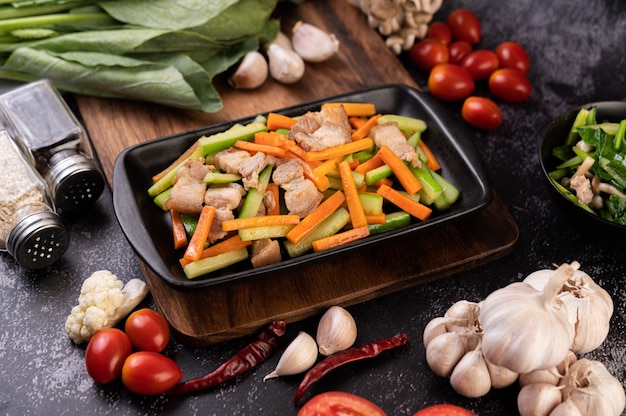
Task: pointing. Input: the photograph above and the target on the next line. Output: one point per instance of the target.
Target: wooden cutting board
(207, 316)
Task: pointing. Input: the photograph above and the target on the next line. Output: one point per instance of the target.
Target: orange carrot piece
(353, 109)
(356, 122)
(416, 209)
(224, 246)
(401, 171)
(255, 147)
(327, 166)
(382, 181)
(339, 239)
(340, 150)
(364, 130)
(321, 182)
(270, 138)
(371, 163)
(178, 229)
(357, 215)
(319, 214)
(259, 221)
(200, 235)
(273, 188)
(432, 163)
(277, 121)
(375, 218)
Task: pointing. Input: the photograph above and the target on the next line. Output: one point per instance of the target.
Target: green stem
(52, 19)
(20, 12)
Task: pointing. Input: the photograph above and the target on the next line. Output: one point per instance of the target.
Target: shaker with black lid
(40, 121)
(30, 229)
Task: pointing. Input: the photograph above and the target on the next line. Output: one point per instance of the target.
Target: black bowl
(588, 224)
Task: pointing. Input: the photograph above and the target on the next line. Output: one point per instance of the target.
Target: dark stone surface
(578, 56)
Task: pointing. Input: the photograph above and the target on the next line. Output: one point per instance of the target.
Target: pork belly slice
(264, 252)
(242, 162)
(321, 130)
(216, 233)
(228, 196)
(301, 194)
(388, 134)
(187, 195)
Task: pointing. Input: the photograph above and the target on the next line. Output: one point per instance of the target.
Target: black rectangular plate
(148, 230)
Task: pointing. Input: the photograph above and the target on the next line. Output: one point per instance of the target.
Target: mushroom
(598, 186)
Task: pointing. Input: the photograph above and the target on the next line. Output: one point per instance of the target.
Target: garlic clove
(538, 399)
(251, 72)
(549, 375)
(285, 65)
(435, 327)
(336, 331)
(312, 43)
(566, 408)
(501, 376)
(444, 352)
(470, 377)
(299, 356)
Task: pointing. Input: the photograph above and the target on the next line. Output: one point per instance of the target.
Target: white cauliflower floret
(102, 303)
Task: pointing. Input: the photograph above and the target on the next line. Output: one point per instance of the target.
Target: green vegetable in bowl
(593, 169)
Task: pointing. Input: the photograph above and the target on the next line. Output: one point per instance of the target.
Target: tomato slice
(148, 330)
(338, 403)
(481, 112)
(444, 410)
(148, 373)
(105, 355)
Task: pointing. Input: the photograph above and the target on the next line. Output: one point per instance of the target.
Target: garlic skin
(538, 399)
(312, 43)
(298, 357)
(336, 331)
(590, 307)
(470, 377)
(251, 72)
(549, 375)
(525, 329)
(285, 65)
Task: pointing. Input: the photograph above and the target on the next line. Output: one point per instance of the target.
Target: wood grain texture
(216, 314)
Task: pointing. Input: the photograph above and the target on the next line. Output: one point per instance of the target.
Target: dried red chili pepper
(369, 350)
(249, 357)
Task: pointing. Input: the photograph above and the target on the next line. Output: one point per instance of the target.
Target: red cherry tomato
(464, 26)
(480, 63)
(440, 31)
(444, 410)
(481, 112)
(147, 372)
(105, 354)
(147, 330)
(509, 85)
(458, 50)
(427, 53)
(513, 55)
(334, 403)
(450, 82)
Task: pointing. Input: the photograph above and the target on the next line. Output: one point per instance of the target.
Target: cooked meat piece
(301, 194)
(228, 197)
(320, 130)
(242, 162)
(582, 187)
(187, 194)
(388, 134)
(216, 233)
(264, 252)
(269, 202)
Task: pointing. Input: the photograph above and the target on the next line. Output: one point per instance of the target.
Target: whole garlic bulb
(251, 72)
(312, 43)
(299, 356)
(590, 307)
(525, 329)
(336, 331)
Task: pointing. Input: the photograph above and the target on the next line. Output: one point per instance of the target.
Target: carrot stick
(292, 147)
(371, 163)
(273, 188)
(340, 150)
(319, 214)
(407, 179)
(178, 229)
(277, 121)
(255, 147)
(364, 130)
(408, 205)
(357, 216)
(339, 239)
(259, 221)
(199, 237)
(356, 122)
(327, 166)
(432, 163)
(382, 181)
(375, 218)
(270, 138)
(354, 109)
(224, 246)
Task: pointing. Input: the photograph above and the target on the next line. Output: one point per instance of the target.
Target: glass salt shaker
(30, 229)
(39, 120)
